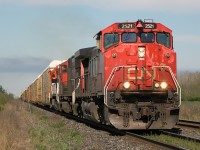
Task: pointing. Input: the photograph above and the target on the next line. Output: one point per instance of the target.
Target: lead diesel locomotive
(128, 80)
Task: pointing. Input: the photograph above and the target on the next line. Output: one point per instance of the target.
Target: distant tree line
(2, 90)
(189, 82)
(4, 97)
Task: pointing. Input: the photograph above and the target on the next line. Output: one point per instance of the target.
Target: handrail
(118, 67)
(178, 87)
(110, 79)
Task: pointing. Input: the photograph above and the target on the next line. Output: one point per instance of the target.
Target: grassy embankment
(190, 108)
(50, 132)
(7, 120)
(189, 82)
(25, 128)
(35, 129)
(2, 100)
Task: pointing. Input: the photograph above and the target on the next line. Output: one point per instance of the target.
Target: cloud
(23, 65)
(16, 82)
(178, 6)
(17, 73)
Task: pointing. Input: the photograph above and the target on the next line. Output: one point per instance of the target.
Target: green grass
(48, 134)
(189, 103)
(175, 141)
(58, 124)
(2, 100)
(190, 110)
(47, 137)
(4, 97)
(44, 118)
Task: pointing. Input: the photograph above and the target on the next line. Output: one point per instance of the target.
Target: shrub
(189, 82)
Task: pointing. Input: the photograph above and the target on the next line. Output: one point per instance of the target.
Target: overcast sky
(34, 32)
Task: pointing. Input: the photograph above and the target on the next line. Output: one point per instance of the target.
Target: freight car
(39, 90)
(128, 80)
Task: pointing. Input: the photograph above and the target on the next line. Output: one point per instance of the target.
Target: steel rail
(189, 123)
(180, 136)
(158, 143)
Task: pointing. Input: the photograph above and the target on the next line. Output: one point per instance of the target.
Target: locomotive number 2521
(126, 26)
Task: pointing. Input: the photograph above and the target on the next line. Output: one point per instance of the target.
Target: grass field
(23, 128)
(2, 100)
(48, 132)
(190, 110)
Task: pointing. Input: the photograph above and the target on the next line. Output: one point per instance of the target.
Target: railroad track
(180, 136)
(188, 123)
(159, 144)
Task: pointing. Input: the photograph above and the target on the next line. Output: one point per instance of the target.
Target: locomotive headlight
(141, 52)
(157, 85)
(126, 85)
(163, 85)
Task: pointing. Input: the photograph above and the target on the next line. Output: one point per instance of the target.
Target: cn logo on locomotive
(131, 73)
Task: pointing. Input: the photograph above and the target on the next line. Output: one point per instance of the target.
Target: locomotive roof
(84, 52)
(156, 26)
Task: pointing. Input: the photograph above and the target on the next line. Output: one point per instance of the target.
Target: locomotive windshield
(164, 39)
(110, 39)
(129, 37)
(147, 37)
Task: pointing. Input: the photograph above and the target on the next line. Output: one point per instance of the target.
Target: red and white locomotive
(127, 80)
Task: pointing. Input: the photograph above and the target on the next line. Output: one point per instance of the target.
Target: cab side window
(110, 39)
(163, 39)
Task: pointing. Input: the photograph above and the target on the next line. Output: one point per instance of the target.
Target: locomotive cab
(141, 90)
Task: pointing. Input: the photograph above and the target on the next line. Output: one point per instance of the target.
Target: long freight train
(128, 80)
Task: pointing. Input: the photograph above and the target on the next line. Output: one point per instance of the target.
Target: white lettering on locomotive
(134, 73)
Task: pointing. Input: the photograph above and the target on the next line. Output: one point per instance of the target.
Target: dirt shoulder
(14, 128)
